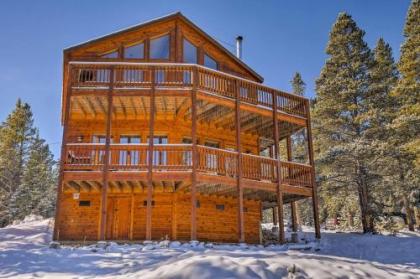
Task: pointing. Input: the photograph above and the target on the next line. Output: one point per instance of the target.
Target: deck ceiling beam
(91, 105)
(131, 100)
(80, 105)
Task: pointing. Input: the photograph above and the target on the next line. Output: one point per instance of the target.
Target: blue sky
(280, 38)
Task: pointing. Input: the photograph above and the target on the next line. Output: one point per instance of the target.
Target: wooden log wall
(171, 219)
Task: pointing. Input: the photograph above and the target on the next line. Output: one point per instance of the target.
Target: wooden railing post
(241, 227)
(279, 178)
(106, 157)
(194, 155)
(311, 162)
(56, 233)
(150, 163)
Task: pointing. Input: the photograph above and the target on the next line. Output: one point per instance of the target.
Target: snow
(25, 253)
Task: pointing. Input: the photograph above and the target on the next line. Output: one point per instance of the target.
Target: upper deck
(178, 79)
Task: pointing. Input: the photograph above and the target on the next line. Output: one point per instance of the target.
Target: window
(220, 207)
(159, 48)
(159, 157)
(84, 203)
(134, 51)
(189, 52)
(129, 157)
(113, 54)
(210, 62)
(145, 203)
(197, 204)
(211, 159)
(98, 139)
(187, 155)
(98, 156)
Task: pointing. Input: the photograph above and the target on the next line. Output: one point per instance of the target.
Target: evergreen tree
(299, 139)
(298, 84)
(300, 154)
(16, 134)
(406, 137)
(380, 111)
(342, 89)
(37, 192)
(27, 169)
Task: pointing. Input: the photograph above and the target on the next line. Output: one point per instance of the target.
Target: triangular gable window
(134, 52)
(159, 47)
(113, 54)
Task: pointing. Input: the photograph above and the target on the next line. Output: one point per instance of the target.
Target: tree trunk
(364, 210)
(350, 219)
(408, 214)
(417, 217)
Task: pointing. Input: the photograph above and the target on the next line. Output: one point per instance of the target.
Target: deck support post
(104, 190)
(150, 163)
(294, 216)
(311, 162)
(56, 233)
(275, 215)
(241, 226)
(194, 156)
(278, 168)
(293, 203)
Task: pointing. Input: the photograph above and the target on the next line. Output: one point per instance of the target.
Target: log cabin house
(168, 135)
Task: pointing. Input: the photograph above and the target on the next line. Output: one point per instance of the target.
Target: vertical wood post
(294, 216)
(66, 118)
(311, 162)
(241, 227)
(275, 215)
(289, 148)
(194, 155)
(150, 163)
(279, 178)
(105, 170)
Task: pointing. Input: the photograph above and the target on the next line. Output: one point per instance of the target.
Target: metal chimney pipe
(239, 47)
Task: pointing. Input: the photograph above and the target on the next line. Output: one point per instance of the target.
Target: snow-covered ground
(24, 253)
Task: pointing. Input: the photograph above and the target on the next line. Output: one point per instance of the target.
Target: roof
(175, 15)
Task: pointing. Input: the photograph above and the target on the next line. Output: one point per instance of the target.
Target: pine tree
(299, 139)
(16, 134)
(406, 138)
(37, 192)
(300, 154)
(27, 169)
(342, 89)
(298, 84)
(379, 113)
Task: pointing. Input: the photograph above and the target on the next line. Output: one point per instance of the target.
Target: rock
(54, 245)
(295, 238)
(194, 243)
(164, 244)
(102, 244)
(243, 245)
(208, 245)
(175, 244)
(148, 247)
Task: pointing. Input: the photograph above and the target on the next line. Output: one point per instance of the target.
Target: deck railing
(97, 75)
(178, 157)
